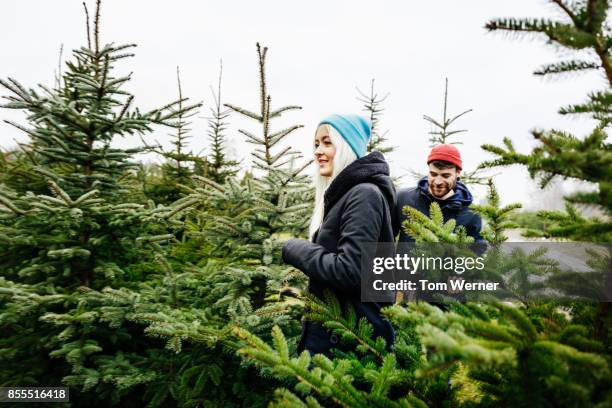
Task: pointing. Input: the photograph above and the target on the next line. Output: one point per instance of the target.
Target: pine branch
(566, 67)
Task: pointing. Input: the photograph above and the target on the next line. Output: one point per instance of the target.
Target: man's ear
(458, 172)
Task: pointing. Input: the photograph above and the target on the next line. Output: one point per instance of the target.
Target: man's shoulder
(474, 214)
(468, 216)
(407, 193)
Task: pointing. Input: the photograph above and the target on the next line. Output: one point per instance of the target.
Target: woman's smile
(324, 151)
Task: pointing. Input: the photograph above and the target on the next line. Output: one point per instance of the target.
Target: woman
(353, 204)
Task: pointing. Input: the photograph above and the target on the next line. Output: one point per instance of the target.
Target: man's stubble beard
(448, 188)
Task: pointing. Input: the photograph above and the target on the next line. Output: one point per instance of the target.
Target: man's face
(441, 181)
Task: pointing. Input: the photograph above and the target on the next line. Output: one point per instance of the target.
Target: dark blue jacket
(357, 209)
(456, 206)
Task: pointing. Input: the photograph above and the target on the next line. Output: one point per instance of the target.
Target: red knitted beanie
(446, 152)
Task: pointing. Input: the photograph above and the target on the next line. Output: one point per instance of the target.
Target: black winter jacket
(357, 209)
(456, 206)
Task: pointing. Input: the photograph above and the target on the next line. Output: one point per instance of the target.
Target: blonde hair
(343, 157)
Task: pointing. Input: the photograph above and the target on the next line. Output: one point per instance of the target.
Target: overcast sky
(319, 51)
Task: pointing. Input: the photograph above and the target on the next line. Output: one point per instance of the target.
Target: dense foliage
(137, 286)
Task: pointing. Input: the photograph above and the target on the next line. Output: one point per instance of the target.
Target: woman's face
(324, 151)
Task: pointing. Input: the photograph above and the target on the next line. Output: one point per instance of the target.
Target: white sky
(319, 51)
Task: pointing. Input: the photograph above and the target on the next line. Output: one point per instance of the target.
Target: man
(441, 185)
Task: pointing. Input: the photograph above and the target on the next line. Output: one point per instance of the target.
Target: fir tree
(236, 229)
(81, 234)
(372, 104)
(252, 215)
(319, 381)
(442, 133)
(219, 167)
(497, 218)
(514, 271)
(16, 170)
(179, 163)
(510, 355)
(263, 157)
(179, 167)
(560, 153)
(584, 28)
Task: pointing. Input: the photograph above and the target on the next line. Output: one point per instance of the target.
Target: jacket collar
(461, 198)
(370, 168)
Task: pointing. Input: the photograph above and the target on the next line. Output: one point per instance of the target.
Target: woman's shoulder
(365, 188)
(364, 192)
(365, 201)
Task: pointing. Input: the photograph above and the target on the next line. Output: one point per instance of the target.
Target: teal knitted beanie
(353, 128)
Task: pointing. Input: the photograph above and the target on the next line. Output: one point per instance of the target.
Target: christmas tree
(583, 28)
(225, 273)
(130, 302)
(251, 215)
(560, 154)
(372, 105)
(179, 164)
(441, 134)
(61, 246)
(219, 166)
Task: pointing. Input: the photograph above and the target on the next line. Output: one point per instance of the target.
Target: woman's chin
(325, 172)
